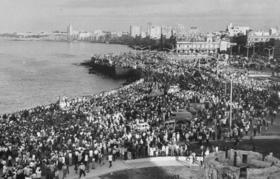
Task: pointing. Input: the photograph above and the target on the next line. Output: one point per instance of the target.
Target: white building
(143, 34)
(155, 32)
(202, 43)
(84, 35)
(273, 31)
(69, 32)
(237, 30)
(262, 36)
(180, 30)
(135, 31)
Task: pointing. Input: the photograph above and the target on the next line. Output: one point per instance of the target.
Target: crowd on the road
(85, 131)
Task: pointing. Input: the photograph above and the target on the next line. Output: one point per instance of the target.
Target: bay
(38, 72)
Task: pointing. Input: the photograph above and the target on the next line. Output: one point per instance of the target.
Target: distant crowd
(134, 121)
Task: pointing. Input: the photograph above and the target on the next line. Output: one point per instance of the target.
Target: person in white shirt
(86, 161)
(110, 159)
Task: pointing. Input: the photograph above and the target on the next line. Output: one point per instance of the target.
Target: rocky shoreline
(113, 70)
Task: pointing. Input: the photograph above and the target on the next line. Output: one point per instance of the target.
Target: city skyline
(118, 15)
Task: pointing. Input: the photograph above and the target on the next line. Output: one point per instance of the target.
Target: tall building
(135, 31)
(69, 32)
(155, 32)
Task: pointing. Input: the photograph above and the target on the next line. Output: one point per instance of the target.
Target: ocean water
(38, 72)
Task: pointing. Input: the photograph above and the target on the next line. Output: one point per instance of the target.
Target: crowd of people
(85, 131)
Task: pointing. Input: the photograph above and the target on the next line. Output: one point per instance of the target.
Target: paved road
(134, 164)
(263, 137)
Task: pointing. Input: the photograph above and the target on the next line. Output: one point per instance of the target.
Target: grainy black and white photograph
(139, 89)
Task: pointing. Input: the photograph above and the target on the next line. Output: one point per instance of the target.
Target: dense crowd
(85, 131)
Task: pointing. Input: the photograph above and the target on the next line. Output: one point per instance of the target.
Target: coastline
(87, 97)
(26, 72)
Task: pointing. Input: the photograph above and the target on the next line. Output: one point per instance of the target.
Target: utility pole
(268, 49)
(225, 88)
(238, 49)
(247, 51)
(230, 117)
(199, 64)
(217, 65)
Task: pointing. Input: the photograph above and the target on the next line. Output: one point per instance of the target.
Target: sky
(118, 15)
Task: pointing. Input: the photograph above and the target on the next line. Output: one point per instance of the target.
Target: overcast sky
(117, 15)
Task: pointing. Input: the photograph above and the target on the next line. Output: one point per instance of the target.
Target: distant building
(193, 30)
(201, 43)
(155, 32)
(262, 36)
(143, 34)
(69, 32)
(149, 28)
(180, 30)
(166, 31)
(84, 36)
(135, 31)
(273, 31)
(116, 34)
(237, 30)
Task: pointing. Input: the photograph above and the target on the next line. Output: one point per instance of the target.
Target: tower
(149, 28)
(69, 32)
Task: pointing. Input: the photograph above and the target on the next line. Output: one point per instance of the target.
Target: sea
(36, 73)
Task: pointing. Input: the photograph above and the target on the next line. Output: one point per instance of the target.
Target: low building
(237, 30)
(188, 47)
(201, 43)
(262, 36)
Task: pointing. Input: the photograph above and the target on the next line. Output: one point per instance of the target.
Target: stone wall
(262, 173)
(273, 160)
(235, 164)
(216, 168)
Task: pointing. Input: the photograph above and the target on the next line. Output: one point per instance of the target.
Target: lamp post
(247, 46)
(230, 113)
(273, 52)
